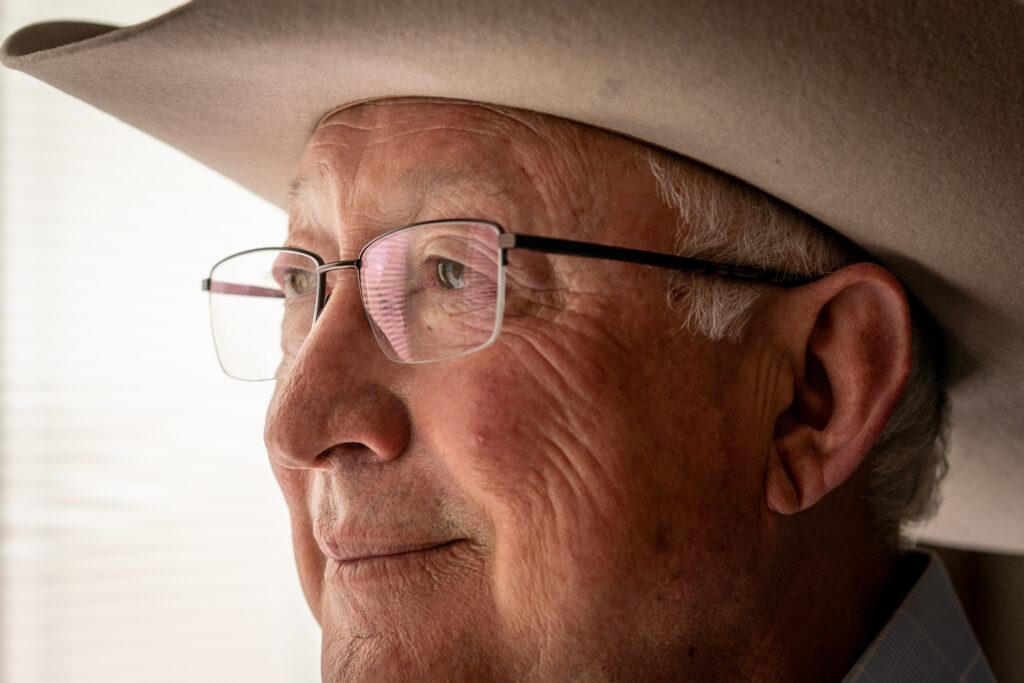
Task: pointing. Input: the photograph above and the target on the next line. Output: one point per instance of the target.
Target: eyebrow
(295, 187)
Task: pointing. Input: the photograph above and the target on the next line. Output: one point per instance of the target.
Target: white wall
(143, 537)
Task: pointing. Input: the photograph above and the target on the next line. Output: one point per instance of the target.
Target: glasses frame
(513, 240)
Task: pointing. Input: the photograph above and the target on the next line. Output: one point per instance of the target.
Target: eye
(297, 282)
(450, 274)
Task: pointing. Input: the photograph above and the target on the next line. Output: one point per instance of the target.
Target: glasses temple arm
(218, 287)
(552, 245)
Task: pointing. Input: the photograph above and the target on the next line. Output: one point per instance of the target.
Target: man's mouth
(353, 562)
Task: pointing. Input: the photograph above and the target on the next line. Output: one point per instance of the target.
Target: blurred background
(142, 536)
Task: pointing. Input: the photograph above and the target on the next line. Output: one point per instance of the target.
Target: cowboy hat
(900, 124)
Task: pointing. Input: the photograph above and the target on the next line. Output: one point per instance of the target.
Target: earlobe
(781, 490)
(848, 335)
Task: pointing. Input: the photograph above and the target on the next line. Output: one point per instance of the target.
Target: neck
(831, 593)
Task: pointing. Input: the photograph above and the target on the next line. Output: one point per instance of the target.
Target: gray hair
(724, 219)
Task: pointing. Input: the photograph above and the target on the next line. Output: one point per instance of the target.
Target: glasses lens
(434, 291)
(261, 309)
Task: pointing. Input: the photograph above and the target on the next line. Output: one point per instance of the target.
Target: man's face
(575, 500)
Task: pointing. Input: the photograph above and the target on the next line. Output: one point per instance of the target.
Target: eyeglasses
(430, 291)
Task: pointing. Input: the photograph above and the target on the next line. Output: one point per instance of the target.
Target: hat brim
(898, 124)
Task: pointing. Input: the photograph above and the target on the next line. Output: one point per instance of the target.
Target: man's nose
(337, 399)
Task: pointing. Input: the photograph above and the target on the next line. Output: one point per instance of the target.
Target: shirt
(928, 638)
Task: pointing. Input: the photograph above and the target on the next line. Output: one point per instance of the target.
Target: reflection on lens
(432, 291)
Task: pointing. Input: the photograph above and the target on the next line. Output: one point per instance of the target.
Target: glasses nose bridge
(339, 265)
(322, 271)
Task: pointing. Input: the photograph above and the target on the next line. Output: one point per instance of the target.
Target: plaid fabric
(927, 638)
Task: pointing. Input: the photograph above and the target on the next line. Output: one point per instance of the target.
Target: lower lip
(383, 568)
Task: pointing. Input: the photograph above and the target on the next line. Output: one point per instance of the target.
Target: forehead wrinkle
(544, 157)
(431, 182)
(534, 134)
(434, 180)
(320, 209)
(419, 193)
(438, 128)
(410, 184)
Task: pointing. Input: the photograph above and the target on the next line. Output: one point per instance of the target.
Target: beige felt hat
(900, 123)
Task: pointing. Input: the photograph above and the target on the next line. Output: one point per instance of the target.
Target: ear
(848, 338)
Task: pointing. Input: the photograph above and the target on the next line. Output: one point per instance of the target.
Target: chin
(416, 653)
(422, 615)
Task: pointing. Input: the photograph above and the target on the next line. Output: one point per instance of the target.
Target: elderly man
(554, 403)
(596, 494)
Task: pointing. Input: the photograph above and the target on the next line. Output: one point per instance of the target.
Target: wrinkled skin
(608, 482)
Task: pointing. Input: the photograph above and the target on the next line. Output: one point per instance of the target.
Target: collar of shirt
(928, 637)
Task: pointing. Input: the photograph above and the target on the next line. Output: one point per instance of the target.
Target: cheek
(550, 457)
(601, 472)
(520, 432)
(485, 429)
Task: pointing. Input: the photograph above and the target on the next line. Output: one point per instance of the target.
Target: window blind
(143, 537)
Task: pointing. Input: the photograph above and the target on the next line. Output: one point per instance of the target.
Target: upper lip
(345, 546)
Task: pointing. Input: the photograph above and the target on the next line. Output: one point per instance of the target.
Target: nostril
(350, 452)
